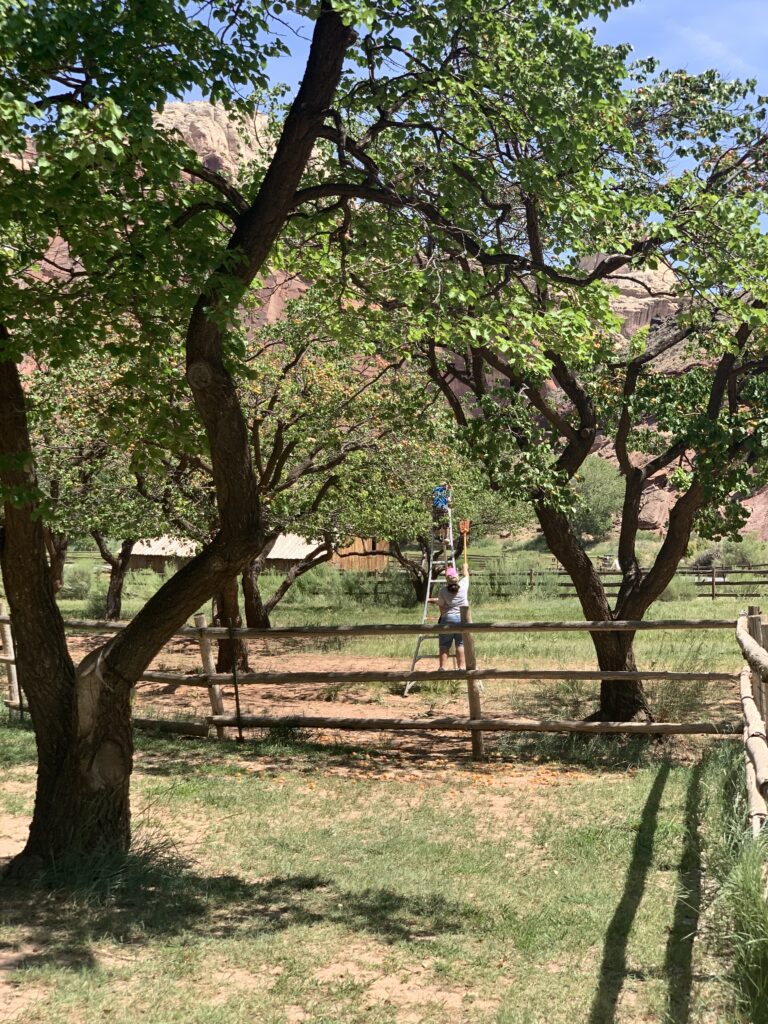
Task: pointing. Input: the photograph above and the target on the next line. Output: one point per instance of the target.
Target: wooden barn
(362, 555)
(287, 551)
(160, 553)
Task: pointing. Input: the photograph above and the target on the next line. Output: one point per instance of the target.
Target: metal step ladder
(442, 553)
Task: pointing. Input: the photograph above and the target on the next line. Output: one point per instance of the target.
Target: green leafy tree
(393, 500)
(494, 282)
(140, 246)
(323, 418)
(599, 494)
(84, 474)
(459, 162)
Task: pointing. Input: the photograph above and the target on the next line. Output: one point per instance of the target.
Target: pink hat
(451, 573)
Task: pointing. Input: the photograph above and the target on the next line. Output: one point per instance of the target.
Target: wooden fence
(713, 582)
(752, 637)
(474, 723)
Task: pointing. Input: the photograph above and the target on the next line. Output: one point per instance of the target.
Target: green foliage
(745, 550)
(599, 495)
(95, 607)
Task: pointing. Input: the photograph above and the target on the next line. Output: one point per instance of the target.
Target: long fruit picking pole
(464, 525)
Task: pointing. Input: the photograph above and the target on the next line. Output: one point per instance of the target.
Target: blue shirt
(440, 497)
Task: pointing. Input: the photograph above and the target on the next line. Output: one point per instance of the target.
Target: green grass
(738, 865)
(286, 881)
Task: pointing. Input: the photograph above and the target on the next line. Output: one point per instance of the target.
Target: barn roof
(291, 546)
(166, 547)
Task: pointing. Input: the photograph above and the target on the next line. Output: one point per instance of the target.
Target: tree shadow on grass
(600, 753)
(140, 897)
(613, 969)
(678, 961)
(281, 747)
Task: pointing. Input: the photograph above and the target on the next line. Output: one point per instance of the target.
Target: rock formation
(224, 142)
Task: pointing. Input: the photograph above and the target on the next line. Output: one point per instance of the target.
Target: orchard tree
(81, 84)
(324, 416)
(394, 499)
(512, 187)
(84, 467)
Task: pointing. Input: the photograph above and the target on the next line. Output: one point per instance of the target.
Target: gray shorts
(446, 639)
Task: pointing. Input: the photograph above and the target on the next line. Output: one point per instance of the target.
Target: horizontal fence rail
(476, 723)
(383, 676)
(751, 634)
(451, 724)
(97, 626)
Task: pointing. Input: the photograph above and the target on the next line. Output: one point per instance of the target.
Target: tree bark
(226, 612)
(81, 721)
(621, 700)
(117, 579)
(56, 545)
(418, 572)
(119, 565)
(256, 615)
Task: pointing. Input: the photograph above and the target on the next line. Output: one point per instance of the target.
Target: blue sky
(730, 35)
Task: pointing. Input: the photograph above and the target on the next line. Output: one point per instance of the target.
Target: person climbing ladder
(442, 560)
(442, 499)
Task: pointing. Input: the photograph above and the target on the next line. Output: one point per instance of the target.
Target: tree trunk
(256, 615)
(621, 700)
(56, 544)
(226, 612)
(117, 576)
(81, 719)
(85, 761)
(418, 572)
(419, 582)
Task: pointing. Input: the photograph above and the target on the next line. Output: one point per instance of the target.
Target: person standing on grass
(450, 600)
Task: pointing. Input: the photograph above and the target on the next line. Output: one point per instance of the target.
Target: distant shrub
(96, 608)
(747, 550)
(395, 589)
(77, 582)
(600, 492)
(323, 580)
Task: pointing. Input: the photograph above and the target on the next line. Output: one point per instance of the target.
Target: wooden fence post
(209, 668)
(714, 593)
(6, 638)
(755, 627)
(474, 689)
(762, 684)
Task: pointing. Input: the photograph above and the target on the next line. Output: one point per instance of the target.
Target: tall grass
(739, 864)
